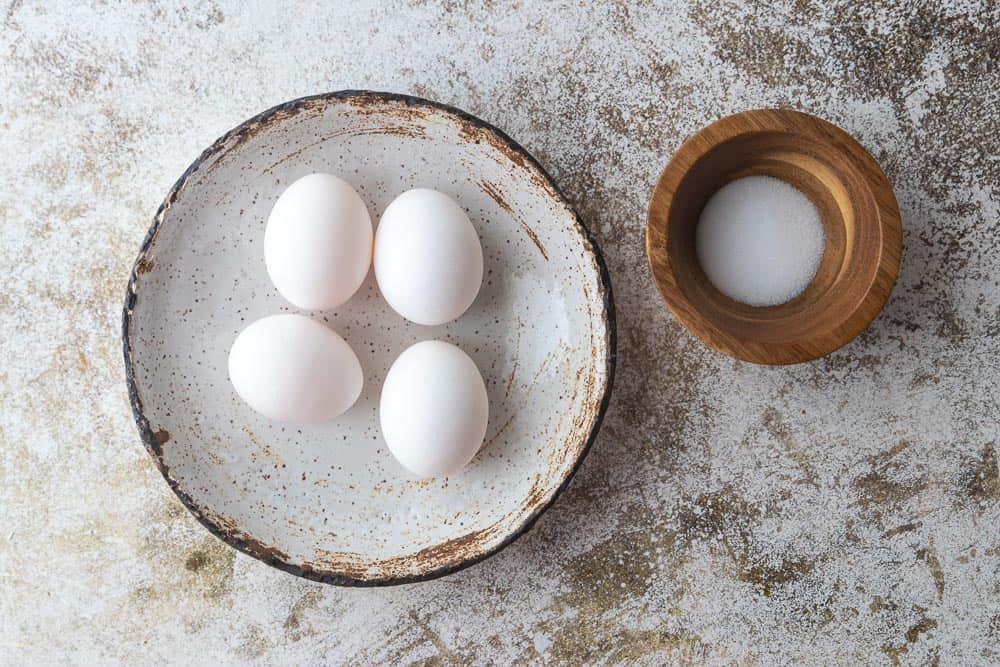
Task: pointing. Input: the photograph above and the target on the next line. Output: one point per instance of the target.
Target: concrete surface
(842, 511)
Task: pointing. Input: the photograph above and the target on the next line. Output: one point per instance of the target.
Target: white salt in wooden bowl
(328, 501)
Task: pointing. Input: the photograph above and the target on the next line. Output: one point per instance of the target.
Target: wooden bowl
(857, 208)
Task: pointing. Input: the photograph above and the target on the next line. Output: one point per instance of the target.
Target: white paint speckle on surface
(844, 510)
(541, 642)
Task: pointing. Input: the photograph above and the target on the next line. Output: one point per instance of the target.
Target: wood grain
(860, 218)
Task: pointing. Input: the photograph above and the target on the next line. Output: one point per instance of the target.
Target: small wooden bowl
(860, 219)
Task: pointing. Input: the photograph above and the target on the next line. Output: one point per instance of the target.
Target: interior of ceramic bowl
(328, 501)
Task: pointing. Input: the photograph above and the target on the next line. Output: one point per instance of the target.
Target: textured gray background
(846, 510)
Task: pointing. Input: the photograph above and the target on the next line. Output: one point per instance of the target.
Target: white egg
(318, 242)
(291, 368)
(433, 409)
(428, 260)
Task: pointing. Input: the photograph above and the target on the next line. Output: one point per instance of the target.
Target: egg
(293, 369)
(318, 242)
(428, 260)
(434, 409)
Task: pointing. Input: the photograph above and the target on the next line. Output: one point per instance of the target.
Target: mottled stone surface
(845, 510)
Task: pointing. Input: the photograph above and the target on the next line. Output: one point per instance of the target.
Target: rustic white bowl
(329, 502)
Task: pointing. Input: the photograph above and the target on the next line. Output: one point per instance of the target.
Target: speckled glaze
(328, 501)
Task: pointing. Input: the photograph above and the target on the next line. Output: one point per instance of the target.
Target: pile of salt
(759, 240)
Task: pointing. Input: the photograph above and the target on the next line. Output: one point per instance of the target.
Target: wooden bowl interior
(844, 200)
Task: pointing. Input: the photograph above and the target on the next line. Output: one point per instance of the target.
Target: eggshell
(318, 242)
(291, 368)
(434, 409)
(428, 259)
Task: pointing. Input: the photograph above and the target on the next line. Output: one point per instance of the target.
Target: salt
(759, 240)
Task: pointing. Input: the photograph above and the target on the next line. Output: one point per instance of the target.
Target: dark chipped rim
(153, 445)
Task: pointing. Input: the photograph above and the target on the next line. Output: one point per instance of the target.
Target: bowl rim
(153, 441)
(770, 120)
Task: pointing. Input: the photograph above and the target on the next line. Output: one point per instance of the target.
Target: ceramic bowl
(328, 502)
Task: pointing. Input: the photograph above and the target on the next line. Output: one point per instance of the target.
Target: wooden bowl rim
(757, 121)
